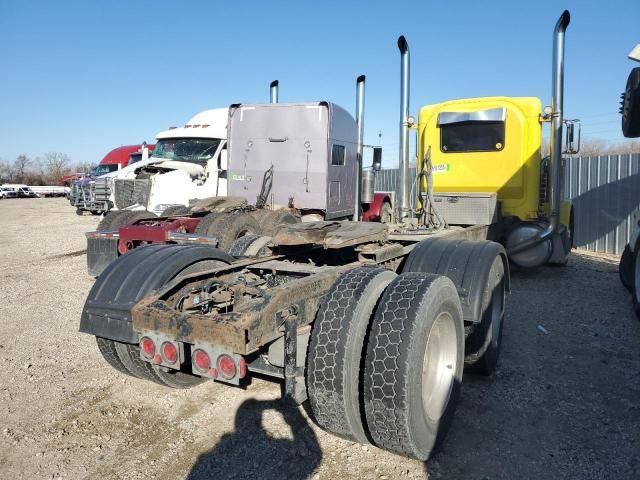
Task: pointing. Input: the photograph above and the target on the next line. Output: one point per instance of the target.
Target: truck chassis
(264, 313)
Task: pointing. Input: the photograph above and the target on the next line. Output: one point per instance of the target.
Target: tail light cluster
(162, 352)
(206, 360)
(209, 362)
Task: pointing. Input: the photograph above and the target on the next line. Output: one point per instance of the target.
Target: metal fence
(605, 191)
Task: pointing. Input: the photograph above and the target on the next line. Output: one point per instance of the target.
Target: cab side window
(338, 153)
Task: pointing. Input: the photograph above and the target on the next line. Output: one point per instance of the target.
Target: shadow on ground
(562, 404)
(252, 452)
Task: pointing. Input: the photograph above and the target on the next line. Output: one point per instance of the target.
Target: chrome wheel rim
(439, 366)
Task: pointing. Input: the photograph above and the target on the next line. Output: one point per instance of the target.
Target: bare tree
(628, 147)
(20, 166)
(7, 173)
(82, 167)
(56, 165)
(592, 146)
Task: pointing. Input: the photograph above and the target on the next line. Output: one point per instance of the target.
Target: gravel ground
(564, 402)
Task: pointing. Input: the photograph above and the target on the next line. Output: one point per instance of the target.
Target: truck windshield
(134, 157)
(194, 150)
(104, 169)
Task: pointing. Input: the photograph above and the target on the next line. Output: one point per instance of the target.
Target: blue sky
(82, 77)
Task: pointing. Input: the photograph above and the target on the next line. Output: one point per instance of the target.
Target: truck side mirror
(377, 159)
(572, 137)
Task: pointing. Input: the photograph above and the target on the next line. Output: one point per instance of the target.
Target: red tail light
(169, 352)
(148, 347)
(242, 368)
(226, 366)
(201, 361)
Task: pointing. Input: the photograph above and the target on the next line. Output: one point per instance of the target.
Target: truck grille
(130, 192)
(75, 192)
(82, 195)
(102, 189)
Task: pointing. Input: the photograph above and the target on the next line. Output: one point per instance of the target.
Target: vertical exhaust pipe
(557, 104)
(273, 91)
(403, 179)
(359, 144)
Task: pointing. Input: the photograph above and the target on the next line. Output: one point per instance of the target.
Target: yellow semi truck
(485, 159)
(480, 162)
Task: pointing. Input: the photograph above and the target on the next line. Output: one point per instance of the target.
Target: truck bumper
(101, 251)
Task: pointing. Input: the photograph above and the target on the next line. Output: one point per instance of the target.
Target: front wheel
(626, 269)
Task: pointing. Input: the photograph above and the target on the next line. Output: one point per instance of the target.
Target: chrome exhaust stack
(403, 187)
(557, 105)
(556, 118)
(359, 143)
(273, 91)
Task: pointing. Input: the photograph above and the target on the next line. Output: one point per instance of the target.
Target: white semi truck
(188, 162)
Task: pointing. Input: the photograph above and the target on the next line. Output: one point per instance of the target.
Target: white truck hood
(192, 169)
(129, 168)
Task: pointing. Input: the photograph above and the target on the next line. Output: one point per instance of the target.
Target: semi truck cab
(491, 146)
(188, 162)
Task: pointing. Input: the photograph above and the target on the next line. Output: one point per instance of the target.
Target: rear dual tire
(480, 269)
(337, 348)
(414, 364)
(227, 227)
(123, 356)
(377, 370)
(271, 220)
(113, 220)
(126, 359)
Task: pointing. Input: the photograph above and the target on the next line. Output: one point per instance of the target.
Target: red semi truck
(82, 190)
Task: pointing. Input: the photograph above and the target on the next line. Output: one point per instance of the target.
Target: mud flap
(100, 253)
(131, 277)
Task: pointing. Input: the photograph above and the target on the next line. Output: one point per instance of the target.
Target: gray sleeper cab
(311, 146)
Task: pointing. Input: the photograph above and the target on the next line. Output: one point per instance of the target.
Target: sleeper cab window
(338, 153)
(481, 131)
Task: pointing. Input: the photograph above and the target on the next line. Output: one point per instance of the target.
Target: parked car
(20, 190)
(8, 192)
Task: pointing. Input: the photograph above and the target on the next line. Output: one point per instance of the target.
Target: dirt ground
(564, 402)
